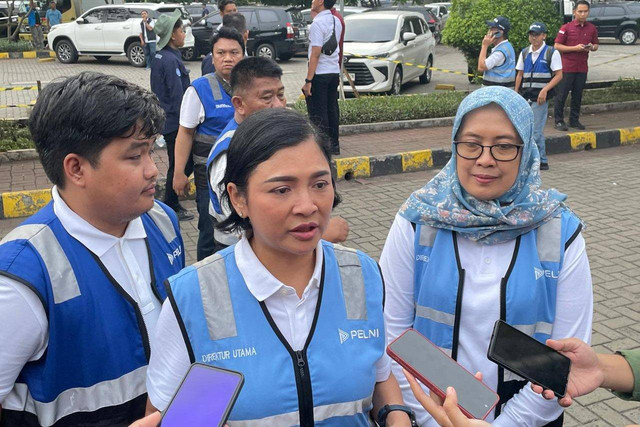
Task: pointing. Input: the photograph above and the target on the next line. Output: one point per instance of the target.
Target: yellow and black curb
(33, 54)
(24, 203)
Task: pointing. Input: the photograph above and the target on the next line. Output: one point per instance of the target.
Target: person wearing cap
(499, 69)
(539, 70)
(574, 41)
(169, 81)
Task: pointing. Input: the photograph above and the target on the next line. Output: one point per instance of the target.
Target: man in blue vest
(539, 71)
(206, 109)
(499, 69)
(81, 281)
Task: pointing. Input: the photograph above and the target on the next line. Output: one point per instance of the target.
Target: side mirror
(407, 37)
(80, 21)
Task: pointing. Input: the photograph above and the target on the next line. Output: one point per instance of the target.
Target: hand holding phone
(205, 397)
(525, 356)
(437, 371)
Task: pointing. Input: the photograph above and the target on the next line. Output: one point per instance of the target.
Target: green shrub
(19, 46)
(14, 136)
(467, 26)
(627, 86)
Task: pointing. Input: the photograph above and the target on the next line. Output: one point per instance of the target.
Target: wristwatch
(307, 80)
(384, 412)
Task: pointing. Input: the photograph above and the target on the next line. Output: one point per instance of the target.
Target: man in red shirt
(574, 41)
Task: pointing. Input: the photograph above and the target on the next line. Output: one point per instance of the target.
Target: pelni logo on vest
(359, 334)
(548, 273)
(175, 254)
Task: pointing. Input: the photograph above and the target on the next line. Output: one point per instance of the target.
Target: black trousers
(170, 196)
(322, 106)
(574, 83)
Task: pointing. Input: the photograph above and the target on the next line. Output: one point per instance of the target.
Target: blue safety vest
(527, 294)
(94, 368)
(329, 382)
(218, 112)
(221, 146)
(504, 74)
(536, 76)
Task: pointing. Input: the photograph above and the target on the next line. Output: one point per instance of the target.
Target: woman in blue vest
(482, 241)
(301, 318)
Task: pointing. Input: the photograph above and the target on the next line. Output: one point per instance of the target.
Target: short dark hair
(82, 114)
(227, 33)
(251, 68)
(235, 20)
(579, 2)
(256, 140)
(328, 4)
(223, 3)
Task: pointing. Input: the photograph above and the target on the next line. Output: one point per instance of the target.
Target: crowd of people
(100, 318)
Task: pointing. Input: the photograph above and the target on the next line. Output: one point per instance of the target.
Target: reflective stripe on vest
(63, 280)
(216, 299)
(162, 220)
(536, 75)
(352, 283)
(549, 240)
(320, 413)
(81, 399)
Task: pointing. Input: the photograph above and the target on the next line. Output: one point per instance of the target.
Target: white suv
(396, 39)
(111, 30)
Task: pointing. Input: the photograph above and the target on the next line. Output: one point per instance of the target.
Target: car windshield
(360, 30)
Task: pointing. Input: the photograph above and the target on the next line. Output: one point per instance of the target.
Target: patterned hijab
(443, 203)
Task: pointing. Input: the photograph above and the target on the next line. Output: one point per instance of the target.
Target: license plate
(303, 33)
(352, 75)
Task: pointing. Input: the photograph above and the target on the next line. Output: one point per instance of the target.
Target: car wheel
(396, 83)
(266, 51)
(66, 52)
(135, 54)
(426, 77)
(190, 54)
(102, 59)
(285, 57)
(628, 36)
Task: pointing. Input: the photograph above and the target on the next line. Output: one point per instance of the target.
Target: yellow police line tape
(7, 89)
(29, 105)
(410, 64)
(616, 59)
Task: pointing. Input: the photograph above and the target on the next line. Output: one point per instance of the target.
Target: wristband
(386, 409)
(307, 80)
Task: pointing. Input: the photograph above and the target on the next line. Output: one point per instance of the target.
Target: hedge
(14, 137)
(19, 46)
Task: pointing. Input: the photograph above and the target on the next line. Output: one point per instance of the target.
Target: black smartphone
(497, 34)
(431, 366)
(525, 356)
(205, 397)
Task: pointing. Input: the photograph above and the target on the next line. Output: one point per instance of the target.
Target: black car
(273, 33)
(619, 20)
(195, 10)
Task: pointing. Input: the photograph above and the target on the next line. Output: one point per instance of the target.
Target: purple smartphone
(205, 397)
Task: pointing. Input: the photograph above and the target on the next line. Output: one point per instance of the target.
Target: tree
(467, 26)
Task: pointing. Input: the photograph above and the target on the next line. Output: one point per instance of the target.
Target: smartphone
(497, 34)
(588, 46)
(525, 356)
(205, 397)
(424, 360)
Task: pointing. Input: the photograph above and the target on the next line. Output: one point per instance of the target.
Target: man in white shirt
(323, 74)
(81, 281)
(539, 70)
(147, 38)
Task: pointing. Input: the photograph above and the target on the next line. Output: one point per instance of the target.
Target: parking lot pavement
(606, 198)
(27, 71)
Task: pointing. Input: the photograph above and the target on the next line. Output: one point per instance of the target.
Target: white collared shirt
(496, 58)
(485, 266)
(319, 33)
(24, 328)
(292, 315)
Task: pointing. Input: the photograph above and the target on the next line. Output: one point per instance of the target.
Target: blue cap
(500, 22)
(538, 27)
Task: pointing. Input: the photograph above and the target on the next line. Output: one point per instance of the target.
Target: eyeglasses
(500, 152)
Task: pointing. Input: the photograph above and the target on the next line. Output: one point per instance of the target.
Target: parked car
(619, 20)
(195, 10)
(399, 36)
(432, 21)
(273, 33)
(441, 11)
(111, 30)
(348, 10)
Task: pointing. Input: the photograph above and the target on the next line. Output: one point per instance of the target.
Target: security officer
(206, 109)
(81, 281)
(499, 69)
(169, 81)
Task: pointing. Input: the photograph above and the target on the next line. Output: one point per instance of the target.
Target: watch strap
(386, 409)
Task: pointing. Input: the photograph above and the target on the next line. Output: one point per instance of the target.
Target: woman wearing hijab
(481, 242)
